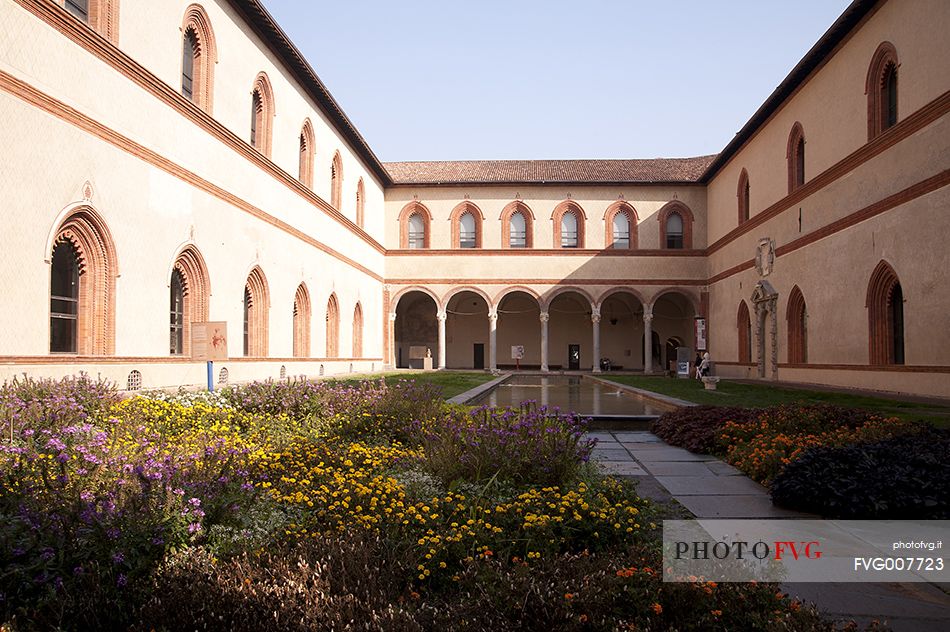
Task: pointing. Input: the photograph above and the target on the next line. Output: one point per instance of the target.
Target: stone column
(648, 339)
(544, 341)
(595, 320)
(441, 318)
(391, 335)
(493, 339)
(773, 335)
(760, 338)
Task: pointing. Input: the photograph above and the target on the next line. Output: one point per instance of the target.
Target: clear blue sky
(487, 79)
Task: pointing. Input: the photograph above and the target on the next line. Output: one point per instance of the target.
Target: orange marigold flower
(716, 613)
(568, 596)
(582, 618)
(657, 608)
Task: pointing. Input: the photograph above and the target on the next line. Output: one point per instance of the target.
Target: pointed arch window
(676, 226)
(517, 226)
(414, 222)
(198, 57)
(620, 226)
(885, 304)
(743, 196)
(307, 151)
(358, 331)
(336, 182)
(417, 231)
(796, 157)
(466, 220)
(333, 327)
(256, 307)
(568, 218)
(621, 231)
(189, 291)
(360, 203)
(82, 286)
(301, 322)
(517, 231)
(467, 231)
(797, 317)
(262, 114)
(744, 333)
(881, 89)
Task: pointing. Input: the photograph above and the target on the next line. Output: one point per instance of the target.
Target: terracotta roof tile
(548, 171)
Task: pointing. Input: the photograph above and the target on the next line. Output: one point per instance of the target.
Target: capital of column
(595, 315)
(493, 315)
(647, 317)
(545, 317)
(392, 317)
(440, 316)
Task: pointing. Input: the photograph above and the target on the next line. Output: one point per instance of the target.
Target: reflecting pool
(571, 392)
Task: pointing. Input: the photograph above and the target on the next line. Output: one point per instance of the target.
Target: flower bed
(295, 505)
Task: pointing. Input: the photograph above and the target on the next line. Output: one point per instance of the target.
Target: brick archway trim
(414, 207)
(884, 57)
(196, 287)
(456, 218)
(268, 110)
(333, 327)
(675, 206)
(308, 150)
(791, 155)
(95, 251)
(569, 206)
(358, 330)
(744, 328)
(632, 217)
(302, 317)
(258, 313)
(797, 334)
(206, 55)
(881, 287)
(510, 209)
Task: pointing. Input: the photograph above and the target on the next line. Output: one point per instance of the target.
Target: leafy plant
(696, 428)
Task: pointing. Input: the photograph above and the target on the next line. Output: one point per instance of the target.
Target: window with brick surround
(796, 157)
(517, 226)
(881, 89)
(742, 195)
(568, 219)
(797, 319)
(358, 331)
(414, 222)
(262, 114)
(676, 226)
(195, 288)
(198, 58)
(307, 151)
(333, 327)
(83, 268)
(620, 226)
(301, 324)
(466, 219)
(885, 305)
(744, 333)
(256, 308)
(336, 182)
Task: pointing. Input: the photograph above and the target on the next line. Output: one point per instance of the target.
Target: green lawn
(758, 395)
(452, 382)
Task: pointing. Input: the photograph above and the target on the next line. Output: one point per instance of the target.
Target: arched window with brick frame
(190, 288)
(744, 333)
(333, 327)
(198, 58)
(885, 305)
(795, 154)
(881, 89)
(797, 319)
(466, 219)
(83, 268)
(308, 150)
(101, 15)
(415, 221)
(262, 114)
(676, 226)
(302, 322)
(336, 182)
(360, 203)
(620, 226)
(256, 313)
(742, 196)
(517, 226)
(358, 331)
(569, 221)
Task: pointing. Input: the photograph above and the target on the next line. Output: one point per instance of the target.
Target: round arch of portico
(415, 288)
(466, 288)
(517, 288)
(619, 290)
(549, 297)
(690, 296)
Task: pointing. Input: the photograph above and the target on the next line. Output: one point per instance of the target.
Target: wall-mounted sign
(517, 352)
(700, 334)
(209, 341)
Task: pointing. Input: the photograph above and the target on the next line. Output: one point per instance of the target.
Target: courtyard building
(170, 165)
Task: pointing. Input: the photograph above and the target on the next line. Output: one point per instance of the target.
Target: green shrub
(906, 478)
(696, 428)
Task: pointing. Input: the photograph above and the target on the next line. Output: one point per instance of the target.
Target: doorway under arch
(416, 326)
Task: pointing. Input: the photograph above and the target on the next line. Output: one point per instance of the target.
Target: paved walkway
(710, 488)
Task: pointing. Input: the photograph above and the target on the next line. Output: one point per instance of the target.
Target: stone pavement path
(710, 488)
